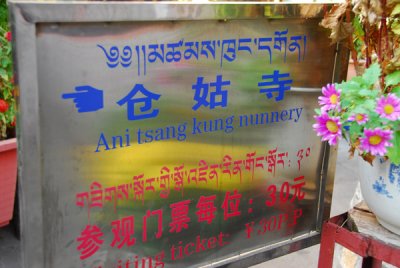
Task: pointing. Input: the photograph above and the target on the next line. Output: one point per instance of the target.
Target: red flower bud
(3, 106)
(7, 35)
(14, 122)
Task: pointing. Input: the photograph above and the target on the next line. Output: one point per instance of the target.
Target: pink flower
(330, 99)
(389, 107)
(328, 127)
(376, 140)
(359, 118)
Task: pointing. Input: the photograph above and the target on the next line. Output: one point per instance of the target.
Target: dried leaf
(353, 147)
(351, 151)
(371, 10)
(376, 7)
(369, 158)
(331, 19)
(395, 61)
(341, 31)
(359, 7)
(310, 11)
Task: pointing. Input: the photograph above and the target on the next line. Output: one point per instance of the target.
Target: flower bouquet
(367, 117)
(365, 110)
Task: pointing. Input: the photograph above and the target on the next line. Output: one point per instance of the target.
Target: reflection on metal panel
(179, 143)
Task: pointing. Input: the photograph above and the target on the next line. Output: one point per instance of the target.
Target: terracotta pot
(8, 179)
(380, 187)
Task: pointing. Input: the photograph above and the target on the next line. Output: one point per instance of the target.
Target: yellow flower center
(359, 117)
(375, 140)
(332, 126)
(333, 98)
(389, 109)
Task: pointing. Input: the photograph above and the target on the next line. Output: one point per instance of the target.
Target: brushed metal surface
(65, 162)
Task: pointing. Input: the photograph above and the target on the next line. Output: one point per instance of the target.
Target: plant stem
(382, 34)
(351, 44)
(366, 40)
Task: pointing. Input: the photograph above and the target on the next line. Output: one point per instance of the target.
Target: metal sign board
(170, 134)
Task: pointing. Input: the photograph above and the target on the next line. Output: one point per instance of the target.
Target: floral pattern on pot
(394, 175)
(380, 187)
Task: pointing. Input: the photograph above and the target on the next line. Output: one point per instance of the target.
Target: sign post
(170, 134)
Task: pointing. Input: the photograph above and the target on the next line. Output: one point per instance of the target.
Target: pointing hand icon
(86, 98)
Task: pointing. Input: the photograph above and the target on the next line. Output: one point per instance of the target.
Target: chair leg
(327, 245)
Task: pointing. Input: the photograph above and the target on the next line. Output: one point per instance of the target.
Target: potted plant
(366, 109)
(8, 145)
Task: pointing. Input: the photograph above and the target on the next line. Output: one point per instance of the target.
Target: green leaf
(3, 131)
(396, 27)
(372, 74)
(317, 111)
(345, 103)
(358, 27)
(394, 151)
(360, 110)
(396, 91)
(3, 74)
(358, 79)
(6, 94)
(374, 120)
(5, 62)
(370, 104)
(368, 93)
(393, 78)
(349, 86)
(396, 10)
(355, 130)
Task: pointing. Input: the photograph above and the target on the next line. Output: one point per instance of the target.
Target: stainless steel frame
(25, 18)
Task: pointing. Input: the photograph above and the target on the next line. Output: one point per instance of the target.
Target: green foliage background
(7, 119)
(3, 14)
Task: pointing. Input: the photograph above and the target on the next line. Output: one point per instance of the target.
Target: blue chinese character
(145, 103)
(201, 93)
(86, 99)
(277, 83)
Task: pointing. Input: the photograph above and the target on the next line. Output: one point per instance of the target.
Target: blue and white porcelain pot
(380, 187)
